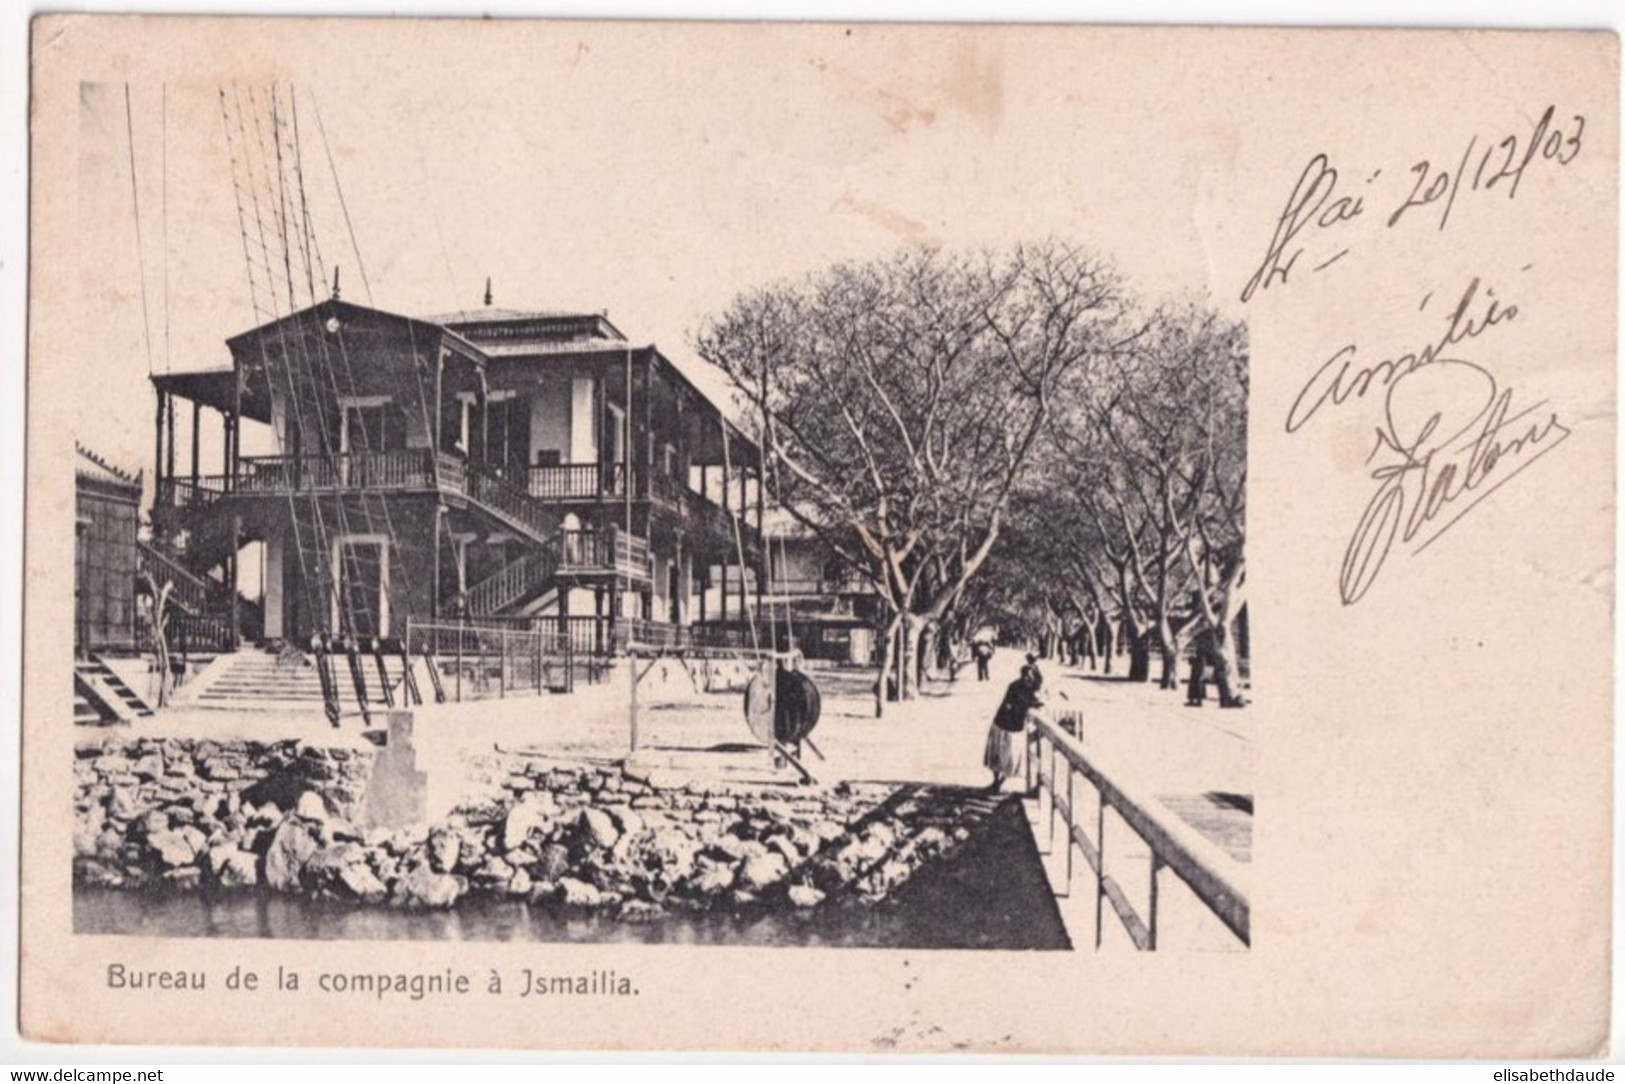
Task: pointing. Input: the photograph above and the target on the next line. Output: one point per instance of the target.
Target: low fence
(485, 660)
(1195, 862)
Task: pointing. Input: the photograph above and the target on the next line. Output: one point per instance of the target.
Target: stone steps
(256, 681)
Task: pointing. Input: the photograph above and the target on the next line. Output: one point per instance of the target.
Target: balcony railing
(411, 468)
(577, 481)
(1209, 873)
(598, 552)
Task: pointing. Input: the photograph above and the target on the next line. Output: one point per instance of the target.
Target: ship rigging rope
(309, 584)
(739, 537)
(237, 184)
(163, 192)
(315, 272)
(366, 284)
(140, 249)
(355, 610)
(277, 190)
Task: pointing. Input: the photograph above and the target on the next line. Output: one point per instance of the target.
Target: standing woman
(1005, 754)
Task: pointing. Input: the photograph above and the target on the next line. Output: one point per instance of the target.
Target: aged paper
(1399, 846)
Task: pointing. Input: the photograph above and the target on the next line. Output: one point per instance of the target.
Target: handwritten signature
(1323, 209)
(1449, 436)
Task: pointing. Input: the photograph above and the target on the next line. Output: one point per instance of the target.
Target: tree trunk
(888, 652)
(1221, 655)
(1139, 655)
(906, 657)
(1106, 643)
(1170, 667)
(1168, 642)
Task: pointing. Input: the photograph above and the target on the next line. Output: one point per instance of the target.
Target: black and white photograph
(858, 615)
(589, 519)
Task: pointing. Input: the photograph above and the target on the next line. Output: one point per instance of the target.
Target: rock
(640, 911)
(599, 828)
(291, 847)
(666, 779)
(185, 878)
(109, 841)
(311, 806)
(520, 883)
(828, 831)
(444, 850)
(362, 884)
(177, 848)
(155, 822)
(574, 893)
(328, 864)
(782, 846)
(554, 862)
(239, 870)
(536, 810)
(219, 768)
(495, 873)
(150, 766)
(627, 820)
(805, 896)
(87, 831)
(761, 871)
(731, 848)
(711, 878)
(424, 889)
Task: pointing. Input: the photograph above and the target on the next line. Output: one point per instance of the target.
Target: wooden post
(197, 419)
(231, 581)
(158, 447)
(169, 425)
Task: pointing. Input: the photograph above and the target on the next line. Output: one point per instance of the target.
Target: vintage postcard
(836, 538)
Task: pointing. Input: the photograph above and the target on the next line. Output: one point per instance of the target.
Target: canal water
(261, 915)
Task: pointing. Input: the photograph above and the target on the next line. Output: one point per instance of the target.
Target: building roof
(490, 314)
(524, 326)
(92, 467)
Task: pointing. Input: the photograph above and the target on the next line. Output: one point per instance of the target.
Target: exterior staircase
(515, 582)
(101, 698)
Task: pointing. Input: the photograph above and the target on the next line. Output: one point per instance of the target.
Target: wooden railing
(577, 481)
(592, 552)
(509, 502)
(1201, 865)
(188, 634)
(484, 660)
(185, 493)
(409, 468)
(512, 582)
(189, 591)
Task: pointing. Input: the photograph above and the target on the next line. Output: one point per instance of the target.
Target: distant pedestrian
(1005, 754)
(983, 651)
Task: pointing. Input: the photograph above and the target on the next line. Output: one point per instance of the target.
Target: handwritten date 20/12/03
(1448, 437)
(1320, 210)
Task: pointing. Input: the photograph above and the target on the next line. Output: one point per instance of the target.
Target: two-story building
(482, 466)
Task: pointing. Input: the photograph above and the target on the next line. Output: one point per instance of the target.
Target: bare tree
(1150, 462)
(901, 400)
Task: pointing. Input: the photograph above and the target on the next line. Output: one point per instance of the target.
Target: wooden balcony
(604, 553)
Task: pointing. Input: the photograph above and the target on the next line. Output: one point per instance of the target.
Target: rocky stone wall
(216, 816)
